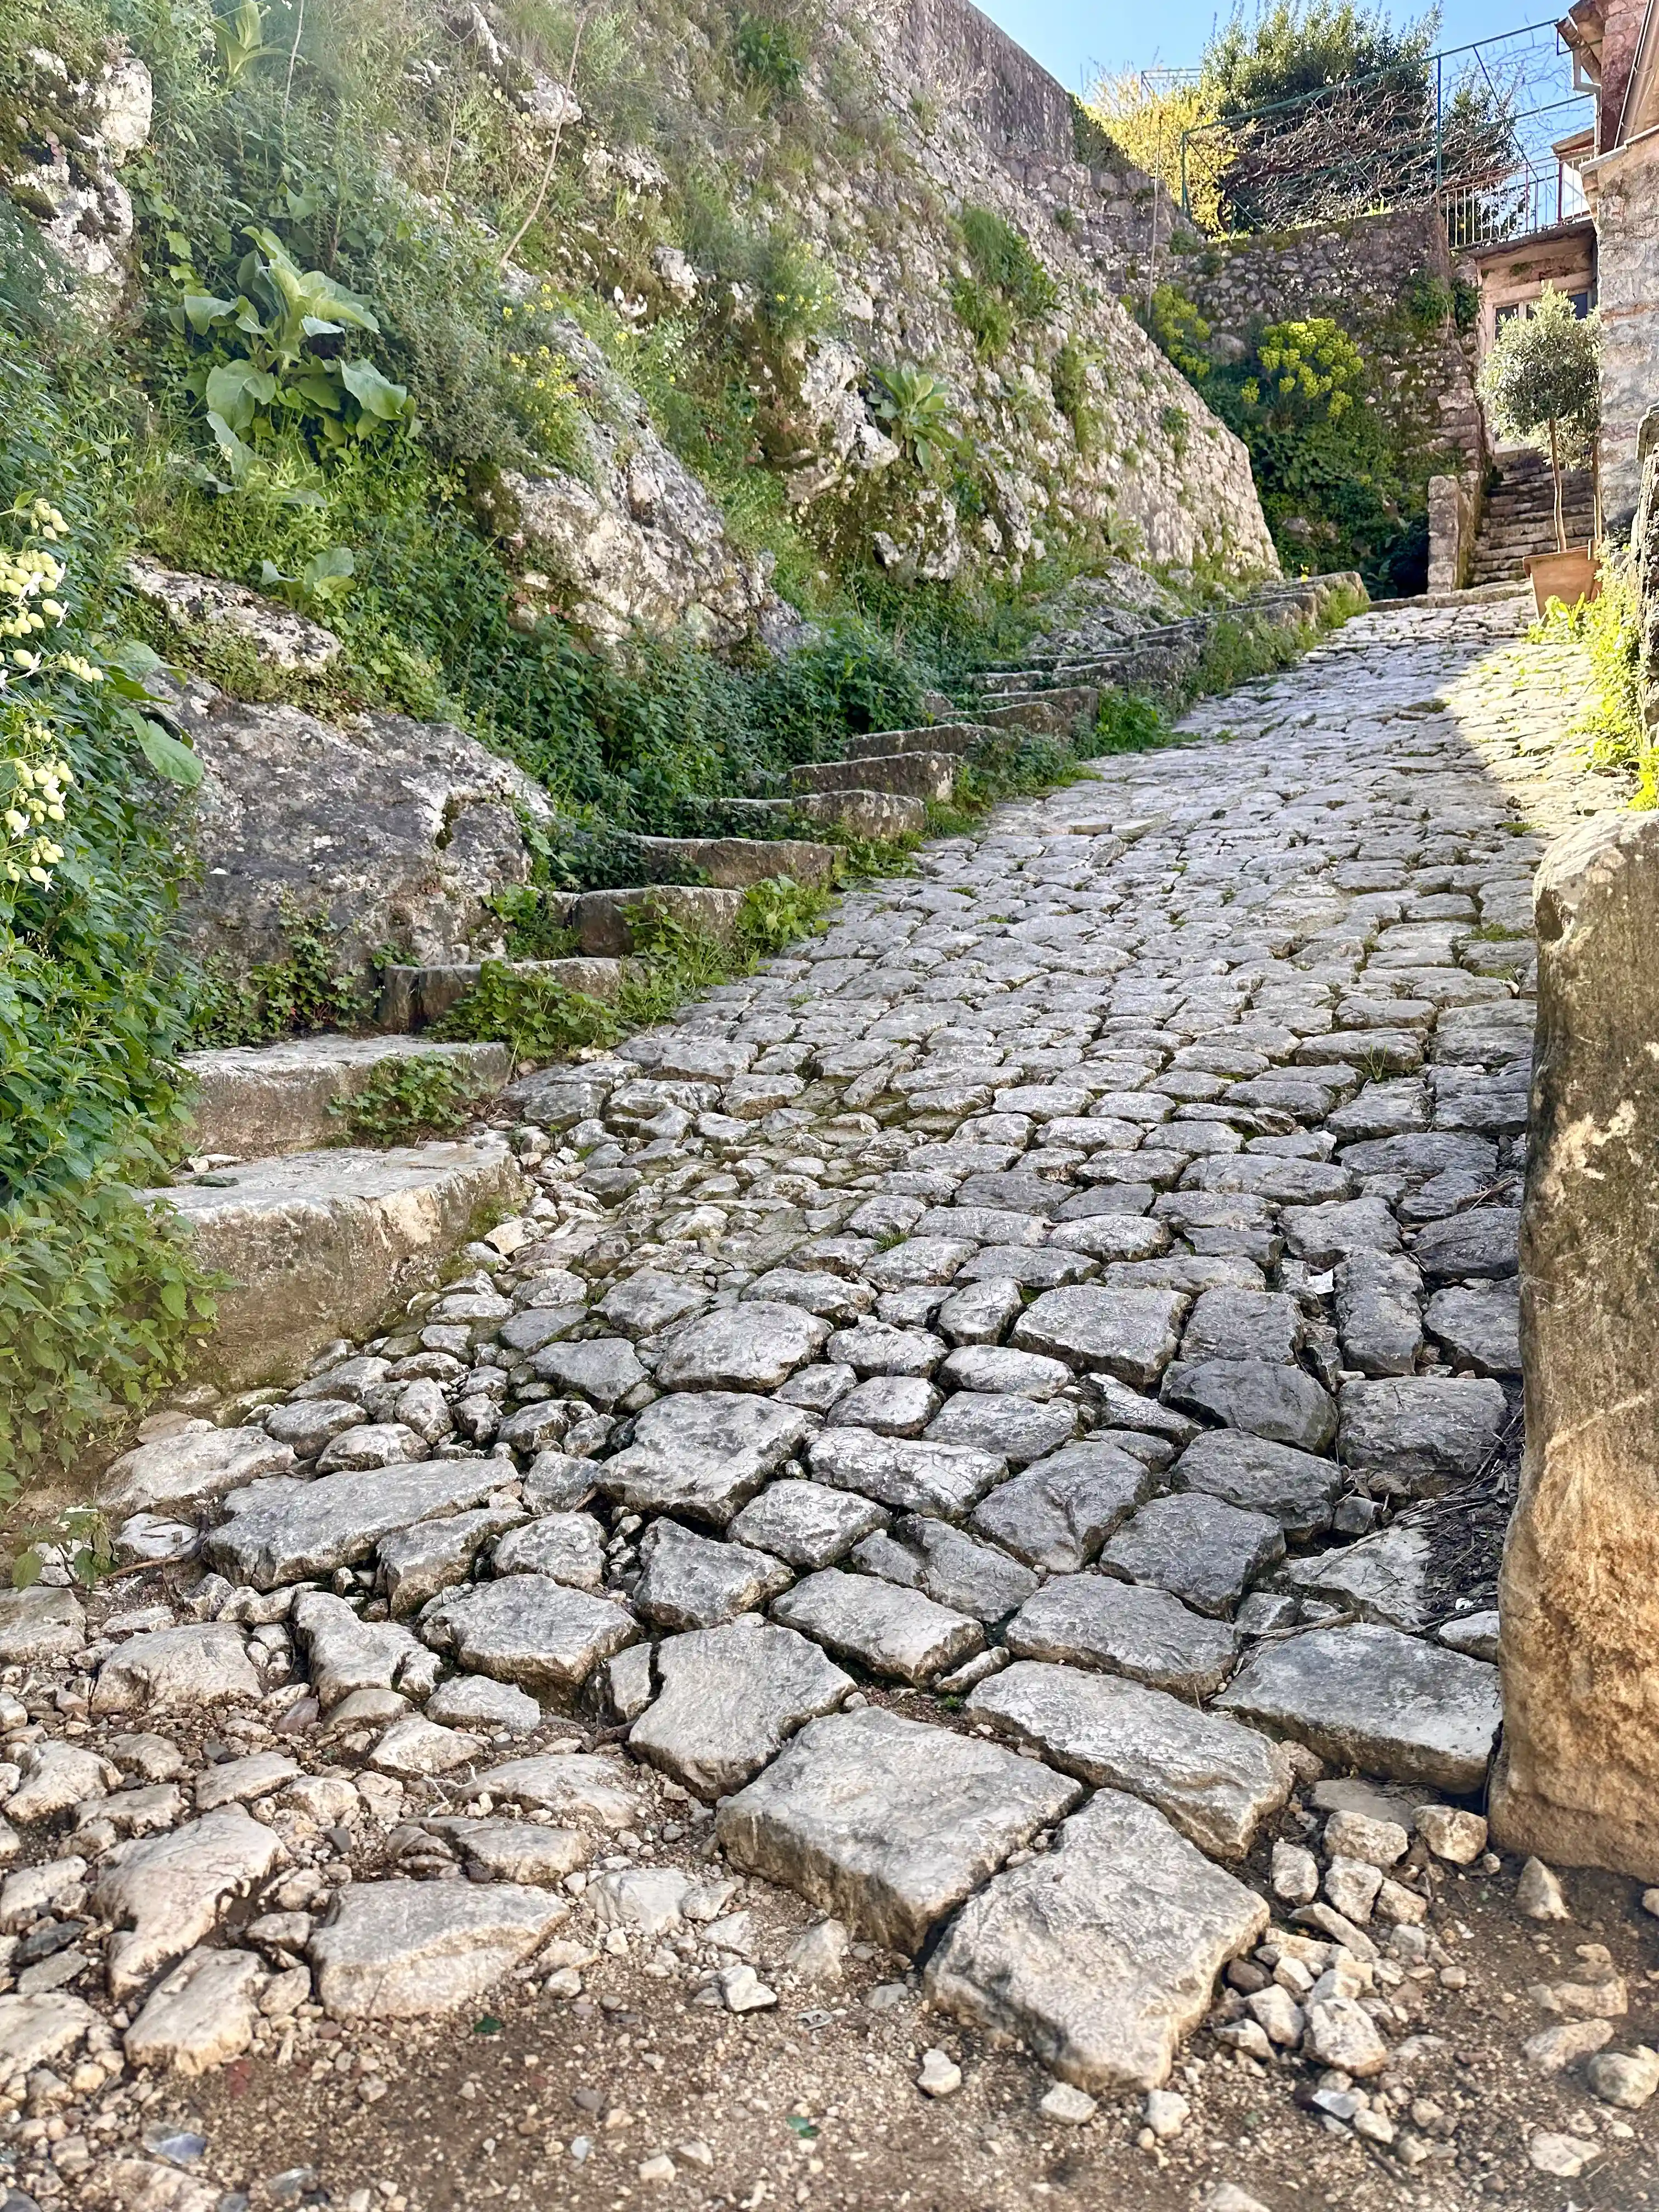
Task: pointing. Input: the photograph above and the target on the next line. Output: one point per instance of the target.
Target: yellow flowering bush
(34, 778)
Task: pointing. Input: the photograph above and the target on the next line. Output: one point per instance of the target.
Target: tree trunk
(1555, 471)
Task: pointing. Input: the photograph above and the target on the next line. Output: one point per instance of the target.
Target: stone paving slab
(1214, 1779)
(888, 1823)
(1101, 1954)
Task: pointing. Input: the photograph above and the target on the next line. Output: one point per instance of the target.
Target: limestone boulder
(1579, 1594)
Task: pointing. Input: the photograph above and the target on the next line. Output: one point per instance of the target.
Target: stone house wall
(1623, 188)
(1358, 272)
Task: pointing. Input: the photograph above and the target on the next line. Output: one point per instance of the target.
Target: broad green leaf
(271, 575)
(236, 388)
(136, 659)
(320, 388)
(375, 394)
(26, 1569)
(316, 326)
(239, 457)
(328, 575)
(166, 754)
(202, 311)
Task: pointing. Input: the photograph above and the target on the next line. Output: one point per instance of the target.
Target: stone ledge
(322, 1245)
(264, 1101)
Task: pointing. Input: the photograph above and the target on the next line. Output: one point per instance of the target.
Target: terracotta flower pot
(1571, 576)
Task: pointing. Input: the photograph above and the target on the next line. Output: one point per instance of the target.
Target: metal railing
(1517, 206)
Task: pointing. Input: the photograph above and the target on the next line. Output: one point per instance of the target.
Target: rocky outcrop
(78, 131)
(1580, 1775)
(632, 538)
(280, 636)
(397, 831)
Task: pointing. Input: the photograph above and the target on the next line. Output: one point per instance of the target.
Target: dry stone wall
(1364, 274)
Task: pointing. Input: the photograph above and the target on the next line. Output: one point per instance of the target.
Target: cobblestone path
(919, 1632)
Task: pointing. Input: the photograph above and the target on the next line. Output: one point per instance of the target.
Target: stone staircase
(1519, 517)
(316, 1235)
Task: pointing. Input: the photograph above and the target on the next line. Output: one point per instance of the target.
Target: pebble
(941, 2075)
(1538, 1892)
(1071, 2108)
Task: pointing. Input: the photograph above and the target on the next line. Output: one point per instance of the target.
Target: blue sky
(1070, 38)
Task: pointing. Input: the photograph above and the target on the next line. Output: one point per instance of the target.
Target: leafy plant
(79, 1540)
(1126, 723)
(778, 912)
(270, 374)
(537, 1017)
(409, 1095)
(1068, 379)
(1009, 285)
(769, 60)
(303, 989)
(916, 408)
(1309, 369)
(1542, 382)
(239, 40)
(1176, 327)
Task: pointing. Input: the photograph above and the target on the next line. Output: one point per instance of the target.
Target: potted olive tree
(1542, 383)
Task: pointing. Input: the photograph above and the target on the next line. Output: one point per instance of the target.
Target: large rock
(911, 1475)
(1056, 1515)
(538, 1634)
(807, 1523)
(190, 1469)
(879, 1624)
(200, 2015)
(1416, 1432)
(695, 1581)
(1130, 1334)
(40, 1625)
(888, 1823)
(1215, 1780)
(1579, 1594)
(254, 1101)
(953, 1570)
(1374, 1698)
(1294, 1488)
(165, 1895)
(1196, 1546)
(1100, 1955)
(704, 1454)
(282, 1532)
(1091, 1620)
(728, 1698)
(202, 1663)
(397, 831)
(406, 1950)
(323, 1244)
(754, 1347)
(631, 537)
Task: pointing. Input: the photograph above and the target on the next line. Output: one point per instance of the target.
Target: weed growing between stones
(540, 1018)
(420, 1094)
(304, 989)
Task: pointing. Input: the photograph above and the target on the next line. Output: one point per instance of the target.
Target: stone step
(936, 737)
(322, 1245)
(254, 1101)
(605, 921)
(1051, 713)
(735, 863)
(912, 774)
(885, 816)
(414, 998)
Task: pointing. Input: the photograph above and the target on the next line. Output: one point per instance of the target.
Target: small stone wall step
(885, 816)
(254, 1101)
(734, 863)
(324, 1245)
(938, 738)
(913, 775)
(1053, 713)
(605, 921)
(414, 998)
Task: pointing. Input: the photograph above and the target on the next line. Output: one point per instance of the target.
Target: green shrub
(1126, 723)
(1068, 378)
(1009, 286)
(304, 989)
(100, 1296)
(537, 1017)
(768, 57)
(409, 1096)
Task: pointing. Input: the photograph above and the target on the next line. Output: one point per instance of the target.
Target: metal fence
(1472, 129)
